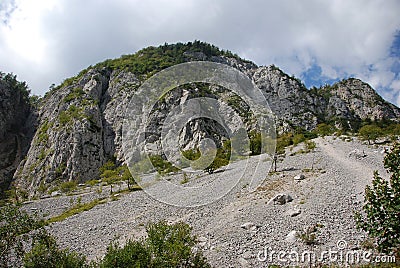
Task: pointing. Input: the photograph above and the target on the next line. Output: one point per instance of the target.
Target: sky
(45, 41)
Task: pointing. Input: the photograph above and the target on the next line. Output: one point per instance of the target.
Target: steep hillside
(17, 126)
(80, 121)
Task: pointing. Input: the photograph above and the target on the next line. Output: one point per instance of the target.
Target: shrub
(310, 145)
(221, 158)
(46, 253)
(15, 224)
(255, 142)
(382, 206)
(74, 94)
(324, 129)
(283, 141)
(298, 138)
(161, 165)
(133, 254)
(165, 246)
(370, 133)
(68, 186)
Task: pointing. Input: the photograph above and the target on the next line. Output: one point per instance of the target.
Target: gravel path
(234, 230)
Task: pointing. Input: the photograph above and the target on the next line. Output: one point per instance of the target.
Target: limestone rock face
(17, 125)
(353, 98)
(79, 123)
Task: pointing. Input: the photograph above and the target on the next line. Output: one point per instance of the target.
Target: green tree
(370, 133)
(46, 253)
(324, 129)
(14, 226)
(381, 216)
(165, 246)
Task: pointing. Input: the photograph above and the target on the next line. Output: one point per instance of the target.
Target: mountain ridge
(79, 122)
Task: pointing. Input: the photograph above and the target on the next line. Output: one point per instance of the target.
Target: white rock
(293, 212)
(280, 199)
(291, 237)
(55, 193)
(248, 226)
(202, 241)
(243, 262)
(299, 177)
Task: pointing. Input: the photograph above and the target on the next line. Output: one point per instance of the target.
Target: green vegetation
(14, 226)
(324, 129)
(75, 93)
(255, 142)
(46, 253)
(11, 81)
(289, 138)
(68, 186)
(42, 135)
(382, 205)
(78, 208)
(60, 170)
(110, 173)
(370, 133)
(151, 60)
(165, 246)
(161, 165)
(73, 113)
(222, 157)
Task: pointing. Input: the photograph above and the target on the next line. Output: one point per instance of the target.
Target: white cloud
(46, 41)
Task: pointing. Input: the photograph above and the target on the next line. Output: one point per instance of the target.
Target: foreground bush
(165, 246)
(382, 206)
(14, 226)
(46, 253)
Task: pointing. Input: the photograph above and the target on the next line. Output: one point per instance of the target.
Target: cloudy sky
(45, 41)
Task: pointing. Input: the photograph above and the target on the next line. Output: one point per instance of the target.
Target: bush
(382, 206)
(221, 157)
(165, 246)
(283, 141)
(68, 186)
(255, 142)
(324, 129)
(161, 165)
(14, 226)
(370, 133)
(46, 253)
(133, 254)
(298, 138)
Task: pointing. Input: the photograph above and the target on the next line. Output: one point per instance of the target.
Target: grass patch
(271, 186)
(78, 208)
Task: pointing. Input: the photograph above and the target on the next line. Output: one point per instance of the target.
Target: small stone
(299, 177)
(246, 255)
(202, 241)
(291, 237)
(293, 212)
(280, 199)
(55, 193)
(243, 262)
(248, 226)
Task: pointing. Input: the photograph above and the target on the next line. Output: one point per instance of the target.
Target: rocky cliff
(80, 121)
(17, 126)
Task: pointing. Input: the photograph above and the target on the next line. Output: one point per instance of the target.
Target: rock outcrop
(80, 121)
(17, 126)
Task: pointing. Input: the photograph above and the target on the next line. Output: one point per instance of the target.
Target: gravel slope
(328, 195)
